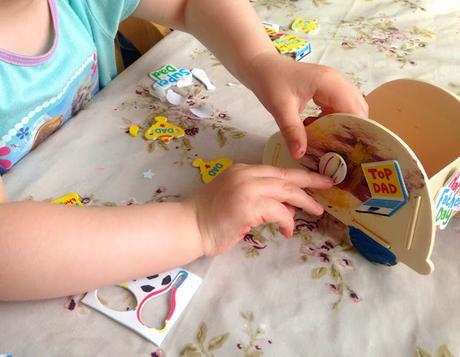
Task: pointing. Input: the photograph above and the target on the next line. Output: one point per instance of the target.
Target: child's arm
(231, 29)
(49, 250)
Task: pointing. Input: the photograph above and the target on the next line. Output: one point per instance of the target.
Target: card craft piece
(397, 162)
(272, 26)
(305, 25)
(163, 130)
(272, 30)
(288, 44)
(179, 283)
(293, 46)
(201, 76)
(447, 201)
(72, 199)
(133, 130)
(302, 52)
(386, 186)
(334, 166)
(168, 76)
(209, 170)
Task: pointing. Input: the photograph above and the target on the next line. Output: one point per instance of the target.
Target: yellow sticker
(384, 180)
(133, 130)
(72, 199)
(289, 43)
(209, 170)
(163, 130)
(272, 32)
(305, 25)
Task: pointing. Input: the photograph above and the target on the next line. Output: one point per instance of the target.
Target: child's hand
(284, 87)
(246, 196)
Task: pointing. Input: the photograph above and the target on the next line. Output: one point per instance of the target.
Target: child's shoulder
(107, 14)
(42, 92)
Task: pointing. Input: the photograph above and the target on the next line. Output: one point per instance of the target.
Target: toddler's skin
(39, 259)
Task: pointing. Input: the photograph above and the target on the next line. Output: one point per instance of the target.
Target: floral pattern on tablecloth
(312, 294)
(253, 345)
(382, 33)
(179, 115)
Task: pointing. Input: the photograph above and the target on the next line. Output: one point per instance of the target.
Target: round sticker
(334, 166)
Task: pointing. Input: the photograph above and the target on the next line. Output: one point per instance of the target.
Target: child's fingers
(290, 208)
(334, 93)
(349, 99)
(343, 102)
(292, 129)
(271, 211)
(299, 177)
(286, 192)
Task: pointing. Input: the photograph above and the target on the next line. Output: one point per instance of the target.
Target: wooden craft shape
(414, 124)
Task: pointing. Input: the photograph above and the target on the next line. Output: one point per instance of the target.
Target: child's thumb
(293, 132)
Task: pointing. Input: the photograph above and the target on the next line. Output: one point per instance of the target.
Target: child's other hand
(246, 196)
(285, 87)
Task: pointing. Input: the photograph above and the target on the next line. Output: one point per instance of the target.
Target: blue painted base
(370, 249)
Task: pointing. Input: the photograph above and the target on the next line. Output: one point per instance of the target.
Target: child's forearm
(229, 28)
(50, 250)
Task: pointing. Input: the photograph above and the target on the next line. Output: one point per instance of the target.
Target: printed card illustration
(163, 130)
(179, 283)
(209, 170)
(72, 199)
(272, 30)
(447, 202)
(305, 25)
(288, 44)
(292, 45)
(168, 76)
(387, 188)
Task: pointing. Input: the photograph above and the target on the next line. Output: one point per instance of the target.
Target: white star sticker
(148, 174)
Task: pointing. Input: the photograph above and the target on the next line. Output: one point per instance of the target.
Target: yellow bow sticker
(163, 130)
(209, 170)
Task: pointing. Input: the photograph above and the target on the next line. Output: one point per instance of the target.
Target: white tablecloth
(310, 295)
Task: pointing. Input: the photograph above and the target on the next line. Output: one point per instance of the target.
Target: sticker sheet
(179, 283)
